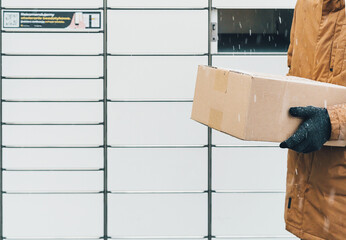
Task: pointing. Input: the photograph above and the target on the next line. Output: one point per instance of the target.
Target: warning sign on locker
(61, 20)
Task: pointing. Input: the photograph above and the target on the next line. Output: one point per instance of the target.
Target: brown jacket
(316, 182)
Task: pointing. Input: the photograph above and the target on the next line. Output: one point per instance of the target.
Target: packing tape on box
(215, 118)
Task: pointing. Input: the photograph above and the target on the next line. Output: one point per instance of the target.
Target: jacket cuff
(337, 115)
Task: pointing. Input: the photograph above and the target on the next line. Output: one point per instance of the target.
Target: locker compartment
(52, 135)
(50, 89)
(153, 77)
(147, 31)
(55, 112)
(55, 215)
(158, 215)
(157, 169)
(260, 64)
(53, 66)
(52, 4)
(248, 169)
(51, 43)
(164, 237)
(153, 123)
(158, 3)
(264, 4)
(52, 158)
(288, 237)
(53, 181)
(249, 215)
(254, 30)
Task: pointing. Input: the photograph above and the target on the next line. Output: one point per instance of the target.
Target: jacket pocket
(338, 63)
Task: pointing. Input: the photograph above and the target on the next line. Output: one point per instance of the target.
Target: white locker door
(52, 126)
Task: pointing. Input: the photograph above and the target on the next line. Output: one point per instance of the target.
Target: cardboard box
(254, 107)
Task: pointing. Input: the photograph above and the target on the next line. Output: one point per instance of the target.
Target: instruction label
(61, 20)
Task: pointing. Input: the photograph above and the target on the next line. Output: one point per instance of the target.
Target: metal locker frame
(209, 191)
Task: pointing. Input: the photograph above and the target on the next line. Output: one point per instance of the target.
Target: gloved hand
(312, 133)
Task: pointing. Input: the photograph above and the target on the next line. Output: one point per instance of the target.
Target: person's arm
(337, 115)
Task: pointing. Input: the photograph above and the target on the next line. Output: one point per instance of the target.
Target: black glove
(312, 133)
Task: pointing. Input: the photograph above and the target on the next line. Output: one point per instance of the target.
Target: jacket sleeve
(290, 48)
(337, 115)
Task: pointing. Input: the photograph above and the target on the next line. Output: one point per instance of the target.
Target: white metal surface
(36, 158)
(156, 31)
(154, 123)
(52, 66)
(250, 169)
(175, 169)
(43, 135)
(54, 112)
(53, 181)
(41, 215)
(244, 214)
(50, 43)
(270, 64)
(50, 89)
(153, 77)
(158, 3)
(140, 215)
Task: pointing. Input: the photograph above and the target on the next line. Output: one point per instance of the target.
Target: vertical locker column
(105, 120)
(210, 190)
(249, 177)
(157, 156)
(52, 122)
(1, 153)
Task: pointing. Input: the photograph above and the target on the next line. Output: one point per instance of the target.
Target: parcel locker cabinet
(251, 30)
(125, 160)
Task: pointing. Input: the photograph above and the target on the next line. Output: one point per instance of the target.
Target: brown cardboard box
(254, 106)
